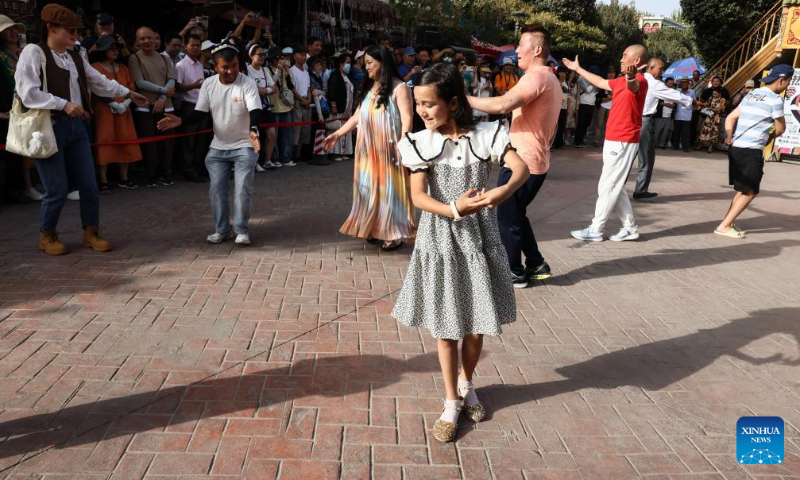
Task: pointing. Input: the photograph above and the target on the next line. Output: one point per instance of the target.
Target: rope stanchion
(161, 138)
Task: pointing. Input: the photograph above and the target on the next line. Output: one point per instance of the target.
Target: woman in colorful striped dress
(382, 210)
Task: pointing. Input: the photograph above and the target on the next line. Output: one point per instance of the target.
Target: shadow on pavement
(654, 366)
(673, 259)
(155, 410)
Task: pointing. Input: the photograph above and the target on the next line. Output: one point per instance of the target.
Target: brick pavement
(171, 358)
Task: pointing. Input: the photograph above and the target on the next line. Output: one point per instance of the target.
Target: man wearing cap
(189, 77)
(749, 86)
(234, 104)
(748, 132)
(588, 96)
(507, 79)
(656, 90)
(70, 83)
(682, 127)
(155, 78)
(409, 70)
(104, 25)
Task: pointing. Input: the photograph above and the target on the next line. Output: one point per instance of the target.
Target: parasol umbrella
(683, 68)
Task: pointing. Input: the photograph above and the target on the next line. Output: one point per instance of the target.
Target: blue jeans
(284, 143)
(71, 167)
(219, 163)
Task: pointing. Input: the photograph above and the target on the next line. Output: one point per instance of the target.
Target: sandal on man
(391, 246)
(730, 233)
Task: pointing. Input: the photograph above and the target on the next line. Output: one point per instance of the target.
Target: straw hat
(6, 23)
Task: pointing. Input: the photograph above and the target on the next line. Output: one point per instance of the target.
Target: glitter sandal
(445, 431)
(476, 412)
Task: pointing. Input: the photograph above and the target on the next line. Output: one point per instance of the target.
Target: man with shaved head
(656, 90)
(154, 76)
(622, 143)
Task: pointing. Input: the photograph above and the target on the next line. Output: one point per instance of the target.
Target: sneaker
(519, 281)
(103, 189)
(290, 163)
(542, 272)
(259, 168)
(269, 165)
(624, 235)
(587, 235)
(76, 195)
(220, 237)
(277, 164)
(337, 159)
(127, 184)
(33, 194)
(152, 183)
(242, 239)
(165, 181)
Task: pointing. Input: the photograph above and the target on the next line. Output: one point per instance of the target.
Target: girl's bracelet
(456, 215)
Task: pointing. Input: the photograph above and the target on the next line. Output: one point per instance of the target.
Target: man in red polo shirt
(621, 146)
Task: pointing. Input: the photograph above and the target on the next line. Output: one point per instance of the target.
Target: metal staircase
(754, 52)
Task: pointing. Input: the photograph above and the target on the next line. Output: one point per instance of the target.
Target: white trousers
(611, 194)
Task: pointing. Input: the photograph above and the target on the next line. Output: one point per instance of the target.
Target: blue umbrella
(684, 68)
(509, 54)
(512, 54)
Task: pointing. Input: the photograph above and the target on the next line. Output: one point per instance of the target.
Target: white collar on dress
(430, 144)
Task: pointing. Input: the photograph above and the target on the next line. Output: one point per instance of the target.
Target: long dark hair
(449, 84)
(388, 75)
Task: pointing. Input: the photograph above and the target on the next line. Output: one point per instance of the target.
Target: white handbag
(30, 131)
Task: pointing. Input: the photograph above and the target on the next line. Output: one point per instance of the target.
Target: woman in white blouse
(70, 80)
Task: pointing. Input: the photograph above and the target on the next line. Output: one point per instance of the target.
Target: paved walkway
(172, 358)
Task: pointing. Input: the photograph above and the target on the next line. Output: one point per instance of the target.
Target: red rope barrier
(161, 138)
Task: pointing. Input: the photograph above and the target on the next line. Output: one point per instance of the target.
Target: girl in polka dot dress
(457, 285)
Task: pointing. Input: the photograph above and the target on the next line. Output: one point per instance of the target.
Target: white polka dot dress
(458, 282)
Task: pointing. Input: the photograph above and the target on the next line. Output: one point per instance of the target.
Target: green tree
(670, 44)
(577, 11)
(718, 24)
(620, 25)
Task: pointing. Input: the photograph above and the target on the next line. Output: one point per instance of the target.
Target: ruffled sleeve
(410, 156)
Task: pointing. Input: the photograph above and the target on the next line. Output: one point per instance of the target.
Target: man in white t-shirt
(235, 106)
(301, 135)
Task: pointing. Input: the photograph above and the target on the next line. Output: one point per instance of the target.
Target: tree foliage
(670, 44)
(577, 11)
(620, 25)
(718, 24)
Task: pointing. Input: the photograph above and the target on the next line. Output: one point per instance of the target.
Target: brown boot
(92, 239)
(50, 244)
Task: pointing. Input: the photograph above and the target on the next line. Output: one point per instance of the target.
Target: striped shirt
(757, 113)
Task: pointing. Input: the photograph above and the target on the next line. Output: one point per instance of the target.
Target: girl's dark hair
(388, 75)
(449, 84)
(95, 57)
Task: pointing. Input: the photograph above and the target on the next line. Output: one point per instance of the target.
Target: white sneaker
(76, 195)
(242, 239)
(337, 159)
(587, 235)
(259, 168)
(220, 237)
(623, 235)
(269, 165)
(290, 163)
(33, 194)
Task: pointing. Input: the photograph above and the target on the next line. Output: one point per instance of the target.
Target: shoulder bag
(30, 131)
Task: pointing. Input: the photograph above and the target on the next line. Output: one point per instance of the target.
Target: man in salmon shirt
(621, 146)
(535, 102)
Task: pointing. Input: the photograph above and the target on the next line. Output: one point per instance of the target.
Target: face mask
(346, 68)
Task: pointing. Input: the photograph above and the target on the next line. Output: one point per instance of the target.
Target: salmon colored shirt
(533, 125)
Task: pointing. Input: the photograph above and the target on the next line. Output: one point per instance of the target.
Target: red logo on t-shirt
(237, 99)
